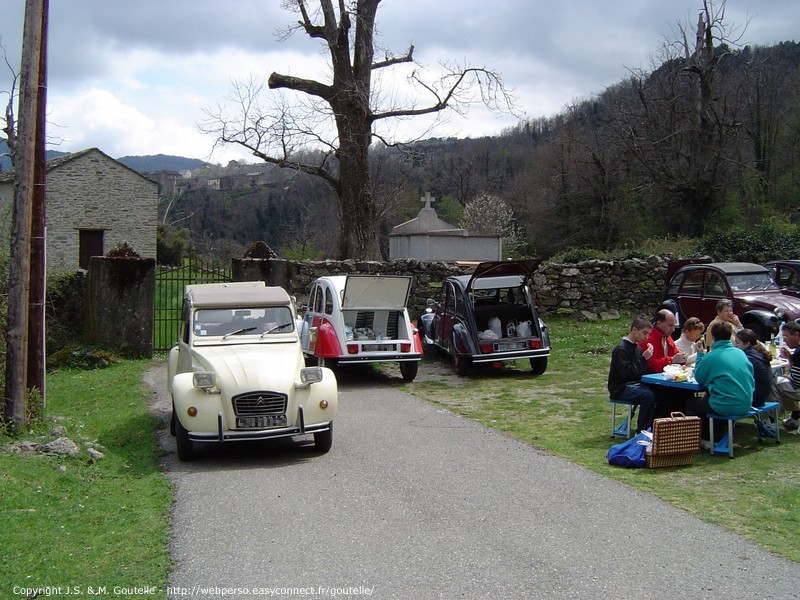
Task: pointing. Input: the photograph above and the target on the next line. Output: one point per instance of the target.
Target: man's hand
(648, 352)
(679, 358)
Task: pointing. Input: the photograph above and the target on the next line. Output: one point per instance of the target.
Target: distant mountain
(161, 162)
(142, 164)
(5, 161)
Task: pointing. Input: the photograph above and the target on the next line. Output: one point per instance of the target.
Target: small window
(450, 302)
(318, 299)
(693, 284)
(328, 302)
(714, 286)
(90, 244)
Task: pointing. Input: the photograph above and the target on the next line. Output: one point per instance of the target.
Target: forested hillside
(699, 145)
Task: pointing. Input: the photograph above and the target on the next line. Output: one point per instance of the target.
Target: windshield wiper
(271, 329)
(238, 331)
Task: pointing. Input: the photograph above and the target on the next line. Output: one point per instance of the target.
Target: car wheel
(323, 440)
(408, 369)
(182, 441)
(462, 364)
(538, 365)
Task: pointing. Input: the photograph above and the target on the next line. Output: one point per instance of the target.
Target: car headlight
(310, 375)
(780, 313)
(204, 379)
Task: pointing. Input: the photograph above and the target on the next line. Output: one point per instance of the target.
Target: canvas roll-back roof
(243, 293)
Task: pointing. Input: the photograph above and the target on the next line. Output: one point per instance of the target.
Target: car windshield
(226, 322)
(749, 282)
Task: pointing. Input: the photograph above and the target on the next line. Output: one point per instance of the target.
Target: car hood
(771, 300)
(248, 367)
(376, 292)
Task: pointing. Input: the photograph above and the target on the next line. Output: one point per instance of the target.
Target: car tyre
(184, 444)
(538, 365)
(462, 364)
(323, 440)
(408, 369)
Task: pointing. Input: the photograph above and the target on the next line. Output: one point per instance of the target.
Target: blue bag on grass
(630, 453)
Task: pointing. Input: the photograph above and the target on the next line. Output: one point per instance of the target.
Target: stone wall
(120, 312)
(590, 290)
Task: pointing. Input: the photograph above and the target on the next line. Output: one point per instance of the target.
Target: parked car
(354, 319)
(487, 317)
(694, 290)
(238, 373)
(786, 274)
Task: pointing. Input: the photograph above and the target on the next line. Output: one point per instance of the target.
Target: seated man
(727, 374)
(665, 352)
(628, 364)
(787, 389)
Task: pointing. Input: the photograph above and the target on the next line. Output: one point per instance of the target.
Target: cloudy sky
(134, 77)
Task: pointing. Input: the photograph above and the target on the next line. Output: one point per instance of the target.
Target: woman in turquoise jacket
(727, 374)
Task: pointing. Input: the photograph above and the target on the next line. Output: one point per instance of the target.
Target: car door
(444, 324)
(690, 296)
(312, 319)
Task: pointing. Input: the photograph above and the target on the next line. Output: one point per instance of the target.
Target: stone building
(93, 203)
(427, 237)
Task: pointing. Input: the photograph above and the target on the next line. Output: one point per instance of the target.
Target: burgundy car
(694, 290)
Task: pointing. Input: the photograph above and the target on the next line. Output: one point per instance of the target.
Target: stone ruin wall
(590, 290)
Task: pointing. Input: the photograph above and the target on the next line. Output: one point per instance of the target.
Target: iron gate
(170, 284)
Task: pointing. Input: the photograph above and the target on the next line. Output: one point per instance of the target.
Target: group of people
(729, 361)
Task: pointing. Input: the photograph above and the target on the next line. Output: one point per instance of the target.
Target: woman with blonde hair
(691, 339)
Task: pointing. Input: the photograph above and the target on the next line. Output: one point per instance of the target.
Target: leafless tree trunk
(278, 135)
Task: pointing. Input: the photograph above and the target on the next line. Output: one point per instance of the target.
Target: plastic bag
(631, 453)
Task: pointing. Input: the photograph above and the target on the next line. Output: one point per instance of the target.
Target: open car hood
(503, 268)
(371, 292)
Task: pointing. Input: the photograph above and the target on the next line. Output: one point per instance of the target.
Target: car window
(788, 278)
(675, 284)
(714, 286)
(459, 301)
(747, 282)
(318, 299)
(693, 284)
(450, 299)
(328, 302)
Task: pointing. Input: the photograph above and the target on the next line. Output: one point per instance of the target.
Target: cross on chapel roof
(427, 199)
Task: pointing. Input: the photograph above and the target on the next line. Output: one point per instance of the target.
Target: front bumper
(233, 435)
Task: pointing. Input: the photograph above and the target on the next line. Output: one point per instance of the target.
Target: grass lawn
(566, 411)
(74, 523)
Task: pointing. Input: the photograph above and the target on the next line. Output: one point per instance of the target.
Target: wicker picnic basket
(676, 440)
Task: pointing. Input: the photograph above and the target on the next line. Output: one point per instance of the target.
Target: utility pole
(24, 179)
(36, 337)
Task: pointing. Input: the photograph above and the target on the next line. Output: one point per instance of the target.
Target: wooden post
(19, 263)
(36, 338)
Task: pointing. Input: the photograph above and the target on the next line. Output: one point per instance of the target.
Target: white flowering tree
(489, 214)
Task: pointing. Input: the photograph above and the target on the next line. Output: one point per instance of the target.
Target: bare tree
(9, 125)
(677, 125)
(348, 107)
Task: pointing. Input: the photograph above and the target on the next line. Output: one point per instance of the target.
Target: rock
(22, 448)
(63, 446)
(95, 454)
(609, 315)
(58, 431)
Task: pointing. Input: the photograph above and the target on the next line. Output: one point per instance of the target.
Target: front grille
(254, 404)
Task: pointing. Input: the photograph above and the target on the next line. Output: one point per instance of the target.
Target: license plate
(507, 346)
(262, 422)
(380, 348)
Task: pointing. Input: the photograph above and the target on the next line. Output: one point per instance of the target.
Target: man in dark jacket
(628, 364)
